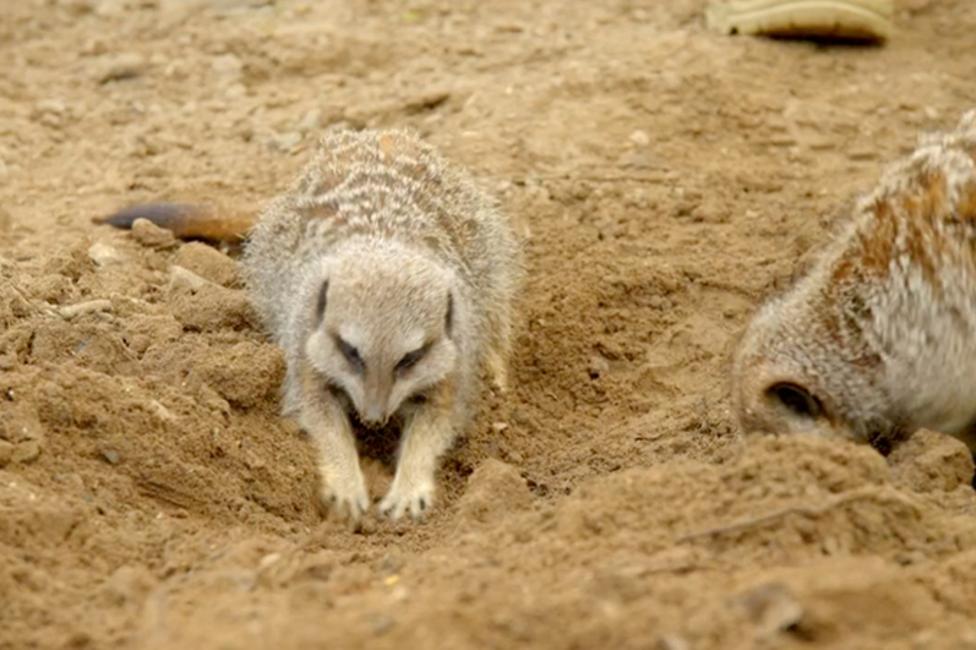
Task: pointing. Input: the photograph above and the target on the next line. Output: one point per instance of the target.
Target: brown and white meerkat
(388, 278)
(879, 338)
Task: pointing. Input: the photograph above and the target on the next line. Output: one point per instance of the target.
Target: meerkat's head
(792, 373)
(790, 376)
(385, 323)
(772, 388)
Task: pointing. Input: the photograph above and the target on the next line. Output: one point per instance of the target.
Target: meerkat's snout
(375, 411)
(774, 396)
(778, 407)
(787, 407)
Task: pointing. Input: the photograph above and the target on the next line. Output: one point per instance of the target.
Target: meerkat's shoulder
(395, 156)
(390, 143)
(937, 179)
(923, 204)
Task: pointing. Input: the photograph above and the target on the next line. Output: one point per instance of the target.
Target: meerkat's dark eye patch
(321, 301)
(410, 359)
(350, 353)
(449, 316)
(796, 398)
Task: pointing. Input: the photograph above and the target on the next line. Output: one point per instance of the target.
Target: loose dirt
(666, 179)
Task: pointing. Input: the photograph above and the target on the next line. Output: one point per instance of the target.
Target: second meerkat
(879, 338)
(388, 278)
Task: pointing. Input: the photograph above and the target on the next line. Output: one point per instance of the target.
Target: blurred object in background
(850, 20)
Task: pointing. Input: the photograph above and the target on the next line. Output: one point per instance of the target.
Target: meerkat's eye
(350, 353)
(796, 398)
(410, 359)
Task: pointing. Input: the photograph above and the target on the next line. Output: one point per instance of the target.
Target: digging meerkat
(879, 338)
(388, 279)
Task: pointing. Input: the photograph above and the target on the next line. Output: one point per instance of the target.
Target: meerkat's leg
(427, 434)
(343, 487)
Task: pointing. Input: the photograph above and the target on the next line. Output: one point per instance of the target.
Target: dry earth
(667, 179)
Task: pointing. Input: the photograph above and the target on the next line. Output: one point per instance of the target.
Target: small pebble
(863, 153)
(268, 560)
(27, 452)
(772, 607)
(124, 66)
(88, 307)
(285, 141)
(6, 452)
(110, 455)
(640, 138)
(311, 121)
(161, 412)
(149, 234)
(102, 254)
(183, 278)
(50, 113)
(207, 263)
(53, 106)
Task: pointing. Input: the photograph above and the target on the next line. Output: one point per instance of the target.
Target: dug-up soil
(666, 180)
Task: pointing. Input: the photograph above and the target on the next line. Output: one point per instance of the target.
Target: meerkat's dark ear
(320, 302)
(449, 315)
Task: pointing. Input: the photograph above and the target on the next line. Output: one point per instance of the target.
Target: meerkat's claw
(347, 500)
(414, 498)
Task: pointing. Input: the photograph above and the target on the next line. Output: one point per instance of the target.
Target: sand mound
(151, 497)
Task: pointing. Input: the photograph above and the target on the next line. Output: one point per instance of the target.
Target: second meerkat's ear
(321, 302)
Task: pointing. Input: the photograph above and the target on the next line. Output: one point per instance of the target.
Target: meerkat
(387, 277)
(878, 339)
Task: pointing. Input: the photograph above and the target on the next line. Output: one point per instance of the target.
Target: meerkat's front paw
(408, 496)
(348, 499)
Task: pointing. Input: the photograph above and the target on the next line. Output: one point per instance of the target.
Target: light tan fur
(380, 250)
(879, 338)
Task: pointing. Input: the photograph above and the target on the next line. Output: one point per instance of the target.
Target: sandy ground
(667, 180)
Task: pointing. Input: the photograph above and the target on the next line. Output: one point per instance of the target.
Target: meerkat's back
(383, 185)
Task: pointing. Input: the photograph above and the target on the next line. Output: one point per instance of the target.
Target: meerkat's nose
(374, 416)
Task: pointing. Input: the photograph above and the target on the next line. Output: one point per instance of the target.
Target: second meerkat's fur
(388, 278)
(879, 338)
